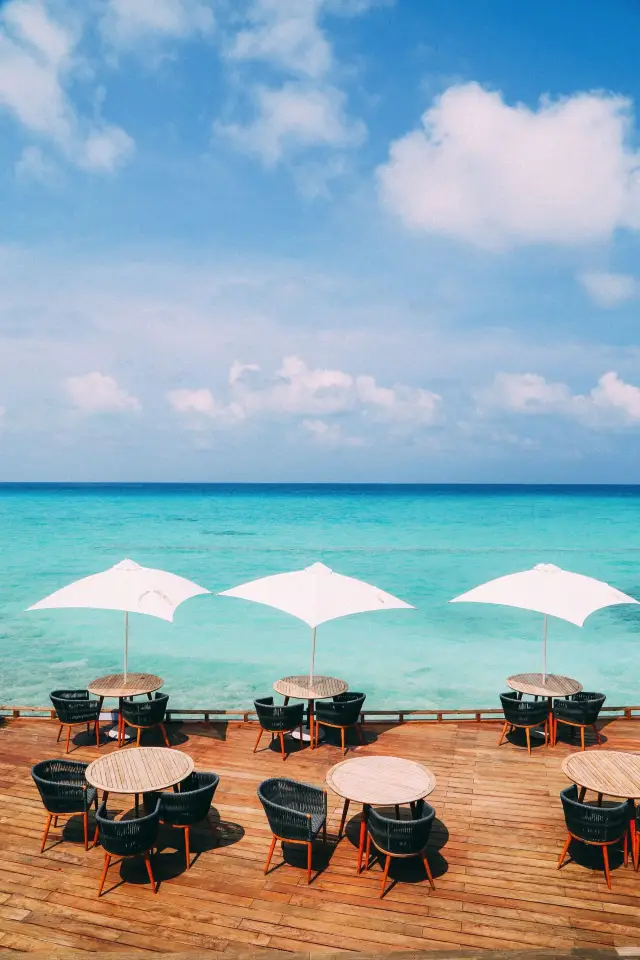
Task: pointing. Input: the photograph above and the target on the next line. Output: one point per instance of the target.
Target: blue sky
(319, 240)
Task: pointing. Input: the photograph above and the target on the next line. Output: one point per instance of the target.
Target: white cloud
(127, 21)
(237, 370)
(96, 393)
(37, 63)
(295, 117)
(286, 34)
(34, 166)
(611, 402)
(497, 175)
(200, 406)
(330, 434)
(609, 289)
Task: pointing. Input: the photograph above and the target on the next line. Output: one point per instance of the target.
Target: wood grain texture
(493, 852)
(300, 689)
(538, 686)
(381, 781)
(139, 770)
(113, 685)
(610, 772)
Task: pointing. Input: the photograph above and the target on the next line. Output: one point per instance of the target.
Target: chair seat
(63, 805)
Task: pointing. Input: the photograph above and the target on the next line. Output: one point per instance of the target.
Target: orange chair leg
(59, 734)
(138, 737)
(107, 861)
(147, 861)
(85, 824)
(68, 737)
(528, 733)
(597, 733)
(164, 734)
(501, 738)
(564, 850)
(309, 856)
(361, 844)
(384, 875)
(428, 869)
(284, 755)
(187, 852)
(46, 831)
(97, 734)
(607, 872)
(367, 853)
(344, 749)
(258, 740)
(271, 849)
(582, 736)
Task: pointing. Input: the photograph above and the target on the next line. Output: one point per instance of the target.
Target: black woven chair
(64, 792)
(189, 806)
(128, 838)
(400, 838)
(580, 710)
(340, 713)
(523, 714)
(278, 720)
(595, 826)
(74, 709)
(143, 715)
(296, 812)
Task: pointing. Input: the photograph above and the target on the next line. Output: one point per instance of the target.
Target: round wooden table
(301, 688)
(114, 685)
(611, 773)
(139, 770)
(549, 686)
(378, 781)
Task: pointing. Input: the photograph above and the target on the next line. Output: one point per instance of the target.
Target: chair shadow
(571, 736)
(71, 831)
(518, 738)
(591, 857)
(351, 739)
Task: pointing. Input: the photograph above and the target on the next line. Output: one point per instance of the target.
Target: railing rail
(392, 715)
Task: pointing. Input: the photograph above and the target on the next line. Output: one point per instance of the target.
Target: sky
(319, 240)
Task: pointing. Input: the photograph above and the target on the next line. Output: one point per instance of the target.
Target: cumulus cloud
(286, 34)
(496, 175)
(37, 64)
(312, 394)
(612, 402)
(97, 393)
(609, 289)
(237, 370)
(330, 434)
(125, 22)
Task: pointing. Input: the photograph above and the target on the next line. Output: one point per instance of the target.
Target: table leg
(149, 696)
(397, 811)
(345, 810)
(286, 701)
(137, 805)
(599, 799)
(311, 721)
(581, 794)
(363, 832)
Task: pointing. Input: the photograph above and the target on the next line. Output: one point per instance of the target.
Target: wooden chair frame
(107, 863)
(307, 843)
(341, 728)
(80, 723)
(187, 835)
(605, 853)
(122, 724)
(395, 856)
(569, 723)
(508, 727)
(54, 817)
(281, 734)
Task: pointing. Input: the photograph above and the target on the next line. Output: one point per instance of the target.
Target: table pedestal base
(306, 734)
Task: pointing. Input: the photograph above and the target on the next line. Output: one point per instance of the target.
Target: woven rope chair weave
(523, 713)
(342, 711)
(593, 824)
(403, 838)
(74, 706)
(190, 805)
(127, 838)
(295, 811)
(145, 713)
(275, 718)
(581, 709)
(63, 787)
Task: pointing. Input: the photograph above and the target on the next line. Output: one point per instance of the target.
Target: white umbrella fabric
(549, 590)
(315, 595)
(126, 586)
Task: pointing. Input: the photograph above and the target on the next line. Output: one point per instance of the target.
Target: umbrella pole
(544, 649)
(126, 642)
(313, 655)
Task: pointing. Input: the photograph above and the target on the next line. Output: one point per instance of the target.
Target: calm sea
(424, 543)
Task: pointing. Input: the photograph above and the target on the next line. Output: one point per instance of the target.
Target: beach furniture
(296, 812)
(546, 687)
(551, 591)
(309, 689)
(64, 791)
(75, 709)
(115, 685)
(278, 720)
(144, 715)
(340, 713)
(594, 826)
(140, 770)
(127, 838)
(399, 838)
(524, 715)
(578, 711)
(380, 782)
(189, 806)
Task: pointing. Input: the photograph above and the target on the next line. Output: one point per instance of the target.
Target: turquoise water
(424, 544)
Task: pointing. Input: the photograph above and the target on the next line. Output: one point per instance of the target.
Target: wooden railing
(213, 715)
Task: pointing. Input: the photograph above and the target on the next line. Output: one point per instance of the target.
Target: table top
(114, 685)
(380, 781)
(551, 686)
(300, 689)
(139, 769)
(611, 772)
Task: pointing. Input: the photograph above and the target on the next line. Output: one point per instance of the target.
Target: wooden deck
(493, 855)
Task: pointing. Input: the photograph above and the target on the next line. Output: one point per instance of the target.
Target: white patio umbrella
(315, 595)
(126, 586)
(551, 591)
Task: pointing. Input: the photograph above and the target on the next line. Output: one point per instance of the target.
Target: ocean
(425, 544)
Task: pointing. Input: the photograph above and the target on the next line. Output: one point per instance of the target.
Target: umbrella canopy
(126, 586)
(549, 590)
(315, 595)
